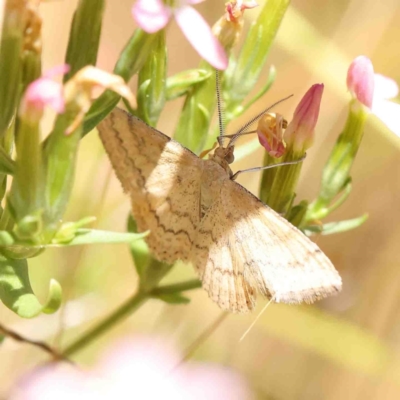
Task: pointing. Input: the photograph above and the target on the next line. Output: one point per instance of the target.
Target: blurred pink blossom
(44, 92)
(153, 15)
(360, 80)
(236, 8)
(374, 91)
(300, 131)
(144, 368)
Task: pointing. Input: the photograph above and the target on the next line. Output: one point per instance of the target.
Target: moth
(197, 213)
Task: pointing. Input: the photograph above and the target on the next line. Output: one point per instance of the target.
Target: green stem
(120, 314)
(176, 288)
(126, 309)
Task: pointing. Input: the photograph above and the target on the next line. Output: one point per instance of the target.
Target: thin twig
(41, 345)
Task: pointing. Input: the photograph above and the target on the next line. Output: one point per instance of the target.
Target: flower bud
(360, 80)
(270, 134)
(300, 132)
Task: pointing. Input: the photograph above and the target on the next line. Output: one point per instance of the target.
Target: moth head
(225, 153)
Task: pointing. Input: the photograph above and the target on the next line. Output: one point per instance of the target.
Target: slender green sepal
(84, 36)
(16, 291)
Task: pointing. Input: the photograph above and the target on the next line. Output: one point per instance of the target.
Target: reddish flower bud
(300, 131)
(360, 80)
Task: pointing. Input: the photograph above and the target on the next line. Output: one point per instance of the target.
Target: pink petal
(192, 2)
(151, 15)
(385, 87)
(199, 34)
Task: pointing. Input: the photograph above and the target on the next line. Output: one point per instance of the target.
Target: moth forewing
(197, 213)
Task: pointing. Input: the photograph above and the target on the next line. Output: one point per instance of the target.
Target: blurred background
(346, 347)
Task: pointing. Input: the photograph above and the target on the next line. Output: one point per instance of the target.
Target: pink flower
(387, 111)
(374, 91)
(300, 131)
(153, 15)
(360, 80)
(236, 8)
(144, 368)
(44, 92)
(270, 134)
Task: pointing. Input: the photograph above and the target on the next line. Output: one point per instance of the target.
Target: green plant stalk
(84, 36)
(10, 61)
(268, 176)
(59, 155)
(336, 173)
(282, 191)
(124, 311)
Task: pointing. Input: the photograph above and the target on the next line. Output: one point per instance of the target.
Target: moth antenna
(281, 164)
(256, 319)
(254, 119)
(221, 114)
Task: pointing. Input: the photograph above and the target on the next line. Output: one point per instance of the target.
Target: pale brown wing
(162, 178)
(243, 245)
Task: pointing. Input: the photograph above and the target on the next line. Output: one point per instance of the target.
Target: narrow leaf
(92, 236)
(343, 226)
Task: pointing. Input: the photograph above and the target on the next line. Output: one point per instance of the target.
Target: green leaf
(16, 291)
(7, 165)
(175, 298)
(319, 210)
(151, 82)
(180, 83)
(343, 226)
(195, 118)
(132, 58)
(84, 36)
(297, 213)
(92, 236)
